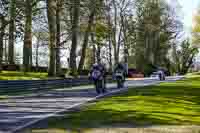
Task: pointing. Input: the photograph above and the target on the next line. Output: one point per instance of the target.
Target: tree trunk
(110, 53)
(126, 53)
(27, 49)
(93, 49)
(51, 13)
(11, 32)
(119, 43)
(98, 53)
(6, 50)
(86, 38)
(75, 30)
(109, 38)
(1, 44)
(58, 65)
(1, 50)
(37, 55)
(3, 23)
(115, 33)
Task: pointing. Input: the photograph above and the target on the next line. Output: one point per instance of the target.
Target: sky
(188, 8)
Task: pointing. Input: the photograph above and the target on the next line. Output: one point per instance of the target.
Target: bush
(149, 69)
(72, 73)
(84, 72)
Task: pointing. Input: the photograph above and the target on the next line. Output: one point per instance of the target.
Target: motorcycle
(161, 76)
(119, 75)
(99, 82)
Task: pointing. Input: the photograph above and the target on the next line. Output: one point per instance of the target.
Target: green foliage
(88, 59)
(184, 56)
(156, 27)
(101, 32)
(72, 72)
(149, 69)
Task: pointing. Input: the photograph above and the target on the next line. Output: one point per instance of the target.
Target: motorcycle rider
(99, 67)
(120, 67)
(161, 75)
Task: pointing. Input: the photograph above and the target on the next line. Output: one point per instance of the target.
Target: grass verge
(14, 75)
(175, 103)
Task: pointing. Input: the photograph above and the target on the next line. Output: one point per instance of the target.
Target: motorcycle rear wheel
(119, 83)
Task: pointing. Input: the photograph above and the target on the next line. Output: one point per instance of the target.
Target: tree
(3, 24)
(27, 49)
(186, 55)
(156, 27)
(51, 13)
(86, 37)
(109, 38)
(114, 42)
(88, 59)
(12, 13)
(58, 33)
(75, 32)
(138, 32)
(41, 41)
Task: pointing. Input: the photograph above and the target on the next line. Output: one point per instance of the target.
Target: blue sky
(188, 8)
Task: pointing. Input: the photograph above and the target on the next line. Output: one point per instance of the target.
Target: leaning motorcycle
(98, 79)
(119, 76)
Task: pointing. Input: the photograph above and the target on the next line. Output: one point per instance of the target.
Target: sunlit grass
(3, 97)
(50, 131)
(14, 75)
(175, 103)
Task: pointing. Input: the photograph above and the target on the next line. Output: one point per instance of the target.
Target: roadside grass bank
(15, 75)
(174, 103)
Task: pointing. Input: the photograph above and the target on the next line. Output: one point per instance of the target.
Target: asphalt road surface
(19, 112)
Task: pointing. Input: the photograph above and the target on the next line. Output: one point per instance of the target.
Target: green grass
(175, 103)
(14, 75)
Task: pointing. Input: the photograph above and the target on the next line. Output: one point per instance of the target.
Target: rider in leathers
(102, 69)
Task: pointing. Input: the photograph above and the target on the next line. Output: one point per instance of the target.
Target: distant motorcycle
(119, 76)
(99, 82)
(158, 74)
(161, 75)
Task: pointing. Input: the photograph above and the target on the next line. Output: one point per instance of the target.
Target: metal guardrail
(37, 85)
(24, 85)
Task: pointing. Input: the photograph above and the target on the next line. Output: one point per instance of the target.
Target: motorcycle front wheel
(97, 86)
(119, 83)
(100, 86)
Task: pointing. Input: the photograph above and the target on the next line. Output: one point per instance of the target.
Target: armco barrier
(36, 85)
